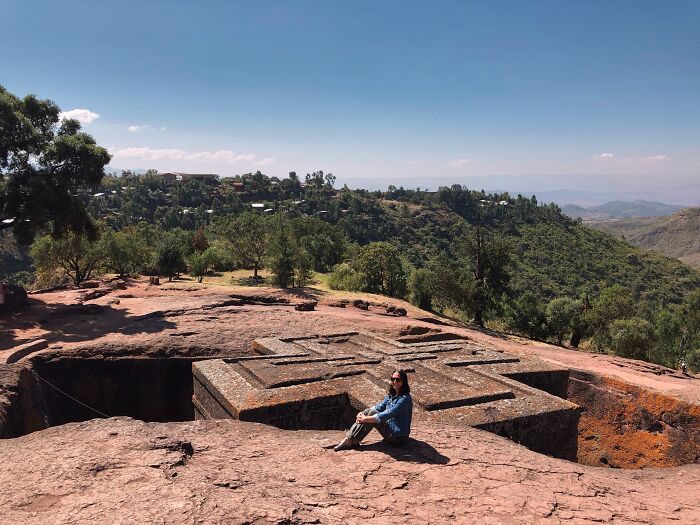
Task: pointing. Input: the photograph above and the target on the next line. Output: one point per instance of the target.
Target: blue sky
(520, 96)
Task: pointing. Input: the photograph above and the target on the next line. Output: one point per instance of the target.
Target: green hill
(554, 255)
(488, 257)
(620, 210)
(676, 236)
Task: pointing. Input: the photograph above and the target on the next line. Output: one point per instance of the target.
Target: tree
(421, 288)
(632, 338)
(527, 315)
(579, 327)
(692, 312)
(282, 257)
(679, 334)
(615, 302)
(345, 277)
(201, 262)
(382, 267)
(490, 261)
(303, 267)
(561, 314)
(79, 257)
(170, 260)
(325, 243)
(199, 241)
(670, 339)
(42, 165)
(125, 251)
(248, 235)
(451, 284)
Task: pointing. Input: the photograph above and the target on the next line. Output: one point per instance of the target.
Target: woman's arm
(382, 404)
(363, 419)
(402, 404)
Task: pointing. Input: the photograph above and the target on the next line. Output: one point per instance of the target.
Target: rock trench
(620, 427)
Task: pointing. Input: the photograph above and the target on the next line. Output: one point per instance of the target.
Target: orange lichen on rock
(625, 426)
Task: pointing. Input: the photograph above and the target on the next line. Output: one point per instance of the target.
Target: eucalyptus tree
(43, 163)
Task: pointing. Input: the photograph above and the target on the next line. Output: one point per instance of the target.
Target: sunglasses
(396, 379)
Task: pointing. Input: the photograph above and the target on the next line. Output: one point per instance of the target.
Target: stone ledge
(21, 351)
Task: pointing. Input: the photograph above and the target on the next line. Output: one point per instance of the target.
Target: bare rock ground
(193, 319)
(125, 471)
(121, 470)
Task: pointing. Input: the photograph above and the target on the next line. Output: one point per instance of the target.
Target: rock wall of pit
(624, 426)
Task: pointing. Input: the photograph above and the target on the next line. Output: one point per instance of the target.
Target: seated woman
(391, 416)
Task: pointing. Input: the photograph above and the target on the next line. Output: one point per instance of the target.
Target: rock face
(629, 427)
(127, 471)
(135, 359)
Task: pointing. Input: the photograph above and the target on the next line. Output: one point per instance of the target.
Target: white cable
(69, 396)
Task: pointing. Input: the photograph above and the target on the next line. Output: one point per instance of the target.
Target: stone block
(322, 382)
(307, 306)
(20, 351)
(12, 297)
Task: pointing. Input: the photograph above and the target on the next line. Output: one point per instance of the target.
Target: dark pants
(359, 431)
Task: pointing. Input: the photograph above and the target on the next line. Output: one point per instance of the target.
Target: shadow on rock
(307, 293)
(84, 322)
(414, 451)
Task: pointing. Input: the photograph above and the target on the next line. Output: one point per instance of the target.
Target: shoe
(346, 444)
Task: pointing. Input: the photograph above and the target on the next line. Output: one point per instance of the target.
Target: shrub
(77, 257)
(562, 314)
(170, 260)
(344, 277)
(421, 288)
(632, 338)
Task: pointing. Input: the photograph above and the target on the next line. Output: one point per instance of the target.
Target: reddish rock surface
(120, 470)
(626, 426)
(125, 471)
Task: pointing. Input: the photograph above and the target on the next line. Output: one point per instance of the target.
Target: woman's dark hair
(405, 389)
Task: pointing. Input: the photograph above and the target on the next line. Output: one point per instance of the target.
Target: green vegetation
(674, 236)
(125, 251)
(489, 258)
(170, 259)
(78, 256)
(485, 257)
(562, 315)
(42, 162)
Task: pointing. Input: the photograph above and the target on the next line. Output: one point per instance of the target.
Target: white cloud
(134, 129)
(604, 156)
(654, 158)
(84, 116)
(224, 155)
(627, 160)
(458, 163)
(163, 128)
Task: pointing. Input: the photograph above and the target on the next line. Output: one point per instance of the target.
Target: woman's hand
(362, 419)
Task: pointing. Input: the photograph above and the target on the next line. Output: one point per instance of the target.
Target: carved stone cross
(322, 382)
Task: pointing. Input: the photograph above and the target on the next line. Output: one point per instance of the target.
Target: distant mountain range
(677, 235)
(620, 210)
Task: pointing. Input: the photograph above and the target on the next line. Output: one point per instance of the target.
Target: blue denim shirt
(396, 412)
